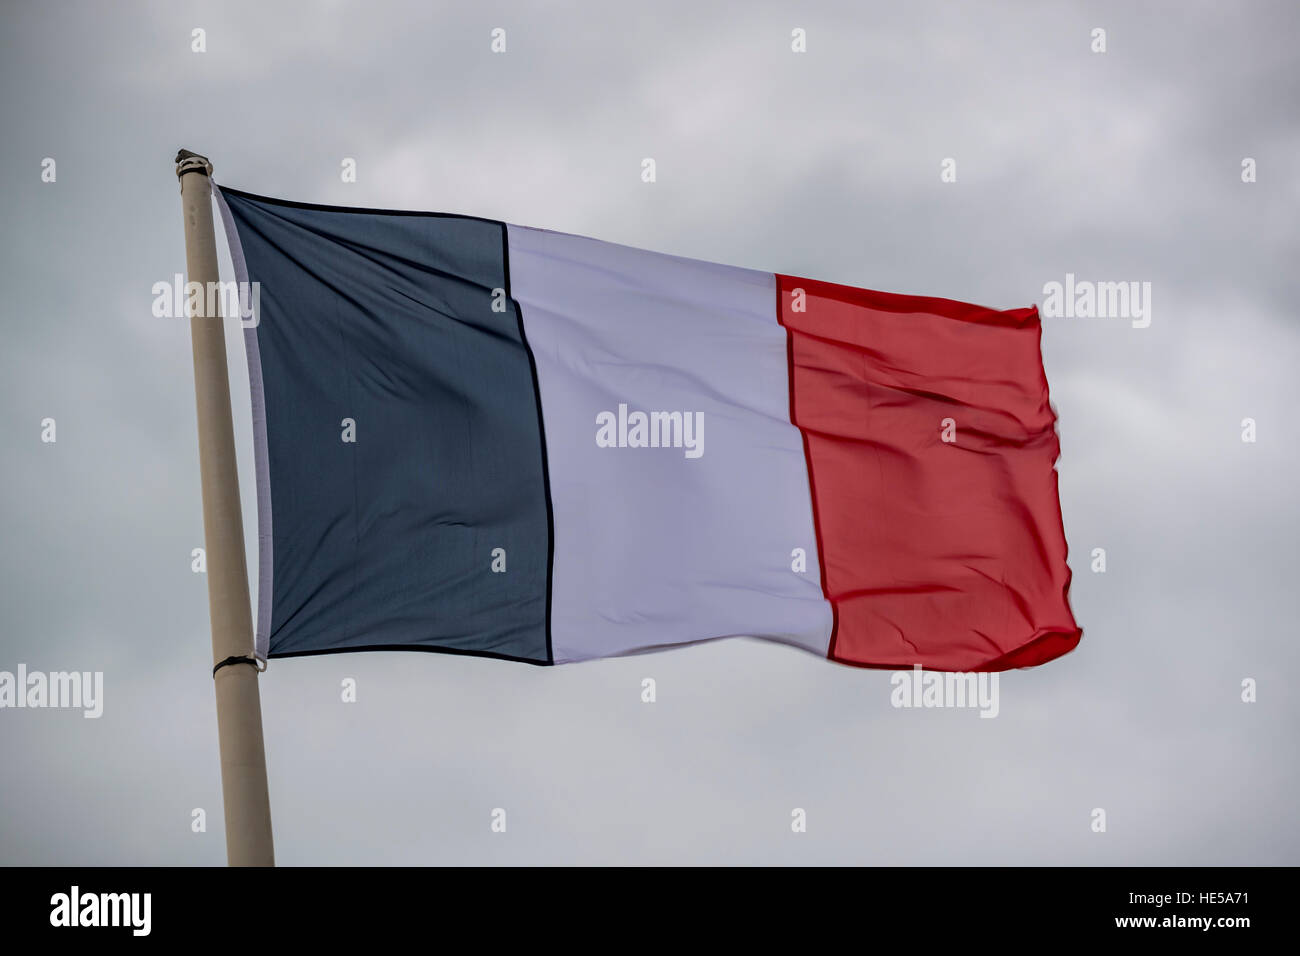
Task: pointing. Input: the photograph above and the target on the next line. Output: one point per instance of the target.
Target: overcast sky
(1117, 166)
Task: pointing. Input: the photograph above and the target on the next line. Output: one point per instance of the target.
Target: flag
(480, 438)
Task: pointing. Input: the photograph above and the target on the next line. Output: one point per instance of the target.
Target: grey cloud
(1116, 166)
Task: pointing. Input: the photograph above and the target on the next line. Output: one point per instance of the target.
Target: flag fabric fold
(480, 438)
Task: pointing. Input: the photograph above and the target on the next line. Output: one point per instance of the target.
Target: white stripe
(653, 547)
(261, 460)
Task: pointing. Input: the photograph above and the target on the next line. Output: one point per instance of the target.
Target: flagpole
(239, 709)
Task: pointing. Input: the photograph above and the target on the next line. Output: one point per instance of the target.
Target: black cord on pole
(235, 660)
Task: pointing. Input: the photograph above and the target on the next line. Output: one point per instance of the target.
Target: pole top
(187, 162)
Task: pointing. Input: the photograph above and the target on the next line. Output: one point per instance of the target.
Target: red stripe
(951, 555)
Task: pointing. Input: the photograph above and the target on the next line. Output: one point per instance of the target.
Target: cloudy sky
(1117, 166)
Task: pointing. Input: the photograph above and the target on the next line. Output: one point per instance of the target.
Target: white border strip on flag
(261, 464)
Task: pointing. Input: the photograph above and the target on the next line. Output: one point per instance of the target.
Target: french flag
(479, 438)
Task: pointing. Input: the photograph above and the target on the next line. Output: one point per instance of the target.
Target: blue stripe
(387, 319)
